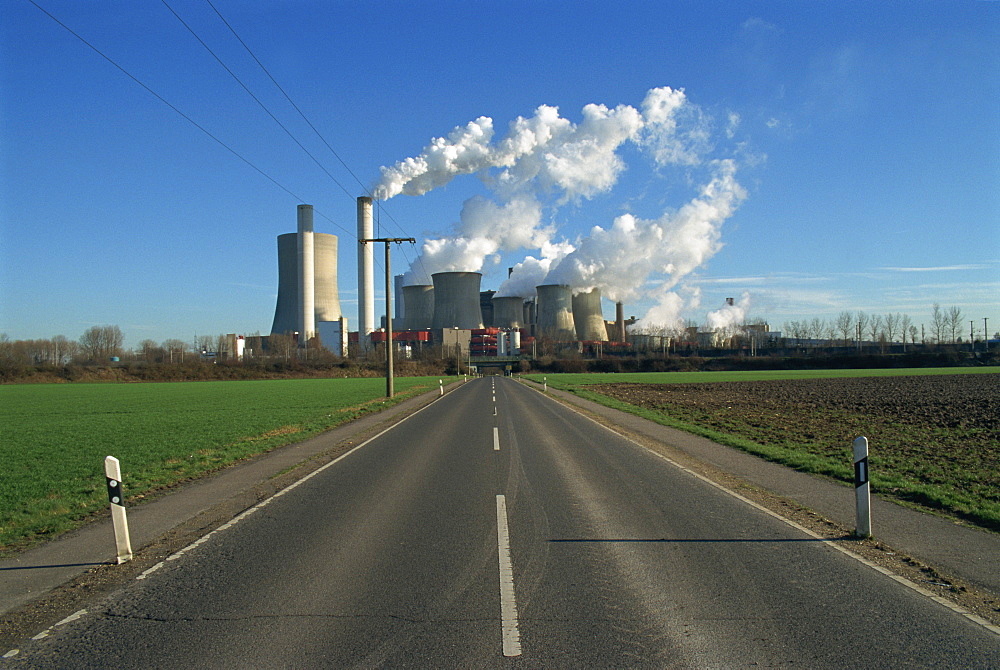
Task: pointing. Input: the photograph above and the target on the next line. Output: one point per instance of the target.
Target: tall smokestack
(366, 276)
(306, 317)
(620, 321)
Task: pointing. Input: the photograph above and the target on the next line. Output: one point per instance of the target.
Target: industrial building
(453, 312)
(308, 302)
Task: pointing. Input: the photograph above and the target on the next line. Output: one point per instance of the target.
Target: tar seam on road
(508, 605)
(885, 571)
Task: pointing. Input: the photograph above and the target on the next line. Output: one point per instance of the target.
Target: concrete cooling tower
(418, 306)
(326, 297)
(588, 317)
(456, 300)
(508, 312)
(555, 312)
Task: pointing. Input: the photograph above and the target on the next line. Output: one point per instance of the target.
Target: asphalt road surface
(497, 528)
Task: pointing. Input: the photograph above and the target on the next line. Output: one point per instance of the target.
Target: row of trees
(100, 344)
(103, 344)
(97, 344)
(946, 327)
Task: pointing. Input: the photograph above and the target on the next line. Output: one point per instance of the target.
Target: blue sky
(864, 138)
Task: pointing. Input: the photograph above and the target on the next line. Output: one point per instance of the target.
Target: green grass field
(54, 437)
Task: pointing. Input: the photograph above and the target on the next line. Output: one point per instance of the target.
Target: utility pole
(388, 308)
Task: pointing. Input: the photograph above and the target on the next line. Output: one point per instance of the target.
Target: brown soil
(934, 431)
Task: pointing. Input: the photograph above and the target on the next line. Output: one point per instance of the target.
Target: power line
(184, 116)
(287, 97)
(255, 98)
(364, 188)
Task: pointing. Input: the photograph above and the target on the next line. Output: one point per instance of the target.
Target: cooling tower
(326, 298)
(366, 263)
(508, 312)
(456, 300)
(588, 317)
(326, 292)
(555, 312)
(418, 306)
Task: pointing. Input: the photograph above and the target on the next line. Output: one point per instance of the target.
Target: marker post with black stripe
(863, 522)
(113, 473)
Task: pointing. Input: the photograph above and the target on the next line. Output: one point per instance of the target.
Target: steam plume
(546, 161)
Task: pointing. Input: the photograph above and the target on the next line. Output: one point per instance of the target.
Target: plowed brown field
(934, 440)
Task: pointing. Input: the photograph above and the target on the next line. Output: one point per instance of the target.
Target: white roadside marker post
(113, 472)
(863, 522)
(441, 387)
(545, 384)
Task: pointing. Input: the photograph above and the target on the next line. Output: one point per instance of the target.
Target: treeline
(926, 358)
(947, 327)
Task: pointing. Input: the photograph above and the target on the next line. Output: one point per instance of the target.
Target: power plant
(452, 312)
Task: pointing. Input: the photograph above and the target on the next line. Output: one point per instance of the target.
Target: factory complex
(452, 312)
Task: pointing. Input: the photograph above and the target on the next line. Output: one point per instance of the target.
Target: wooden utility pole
(388, 308)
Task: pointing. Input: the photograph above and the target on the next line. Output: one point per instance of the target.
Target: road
(497, 528)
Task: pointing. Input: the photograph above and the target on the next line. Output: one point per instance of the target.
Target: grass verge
(55, 438)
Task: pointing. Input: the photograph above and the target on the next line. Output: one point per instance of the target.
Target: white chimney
(307, 275)
(366, 276)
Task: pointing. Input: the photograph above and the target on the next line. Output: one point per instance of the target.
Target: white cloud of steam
(548, 159)
(676, 132)
(465, 151)
(663, 317)
(485, 228)
(729, 316)
(621, 259)
(551, 155)
(516, 224)
(531, 272)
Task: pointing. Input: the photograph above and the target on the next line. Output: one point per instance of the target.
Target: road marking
(496, 439)
(268, 501)
(958, 609)
(45, 633)
(508, 606)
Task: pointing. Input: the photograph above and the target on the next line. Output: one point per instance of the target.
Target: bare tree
(891, 322)
(954, 322)
(101, 343)
(938, 323)
(282, 345)
(875, 327)
(175, 350)
(845, 326)
(906, 326)
(817, 328)
(863, 320)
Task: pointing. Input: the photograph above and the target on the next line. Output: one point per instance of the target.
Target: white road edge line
(508, 605)
(268, 501)
(958, 609)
